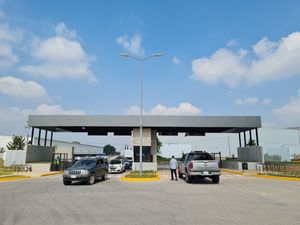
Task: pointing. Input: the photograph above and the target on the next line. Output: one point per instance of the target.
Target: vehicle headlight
(66, 172)
(84, 172)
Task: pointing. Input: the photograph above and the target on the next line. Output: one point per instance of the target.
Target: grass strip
(279, 175)
(145, 174)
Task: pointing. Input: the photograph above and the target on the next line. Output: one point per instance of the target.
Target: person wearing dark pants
(173, 167)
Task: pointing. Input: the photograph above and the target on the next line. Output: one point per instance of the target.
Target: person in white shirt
(173, 167)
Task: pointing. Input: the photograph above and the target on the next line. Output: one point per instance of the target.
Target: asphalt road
(236, 200)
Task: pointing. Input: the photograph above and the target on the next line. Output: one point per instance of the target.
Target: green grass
(161, 159)
(288, 174)
(145, 174)
(4, 172)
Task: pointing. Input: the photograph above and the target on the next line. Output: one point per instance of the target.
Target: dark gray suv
(86, 170)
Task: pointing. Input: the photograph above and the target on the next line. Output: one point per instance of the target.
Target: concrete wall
(68, 150)
(149, 139)
(78, 148)
(250, 154)
(39, 154)
(230, 165)
(146, 166)
(234, 165)
(146, 137)
(40, 167)
(14, 157)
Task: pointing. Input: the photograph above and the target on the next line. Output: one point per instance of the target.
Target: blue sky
(220, 58)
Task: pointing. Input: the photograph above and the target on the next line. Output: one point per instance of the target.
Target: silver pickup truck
(199, 164)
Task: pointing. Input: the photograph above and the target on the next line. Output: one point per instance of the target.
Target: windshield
(85, 162)
(115, 162)
(200, 156)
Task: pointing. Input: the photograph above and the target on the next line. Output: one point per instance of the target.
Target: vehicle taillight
(191, 165)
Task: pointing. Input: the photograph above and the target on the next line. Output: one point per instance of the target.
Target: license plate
(205, 172)
(73, 176)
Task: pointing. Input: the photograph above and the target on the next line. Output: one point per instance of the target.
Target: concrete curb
(277, 177)
(12, 178)
(51, 174)
(232, 171)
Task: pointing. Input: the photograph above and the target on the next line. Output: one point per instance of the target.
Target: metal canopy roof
(165, 125)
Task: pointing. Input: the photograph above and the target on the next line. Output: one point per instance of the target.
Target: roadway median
(134, 176)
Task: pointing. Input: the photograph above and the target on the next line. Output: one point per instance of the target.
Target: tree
(109, 150)
(251, 142)
(158, 145)
(17, 143)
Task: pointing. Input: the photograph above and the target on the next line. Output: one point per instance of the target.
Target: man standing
(173, 167)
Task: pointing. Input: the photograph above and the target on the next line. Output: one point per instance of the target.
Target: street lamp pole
(141, 62)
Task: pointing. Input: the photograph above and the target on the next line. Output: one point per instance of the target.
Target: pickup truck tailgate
(205, 165)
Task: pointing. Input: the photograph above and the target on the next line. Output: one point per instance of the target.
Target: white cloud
(2, 14)
(247, 101)
(13, 119)
(131, 45)
(232, 43)
(266, 101)
(45, 109)
(62, 31)
(8, 37)
(223, 65)
(134, 110)
(183, 108)
(267, 61)
(264, 47)
(288, 114)
(18, 88)
(252, 100)
(175, 60)
(60, 57)
(7, 57)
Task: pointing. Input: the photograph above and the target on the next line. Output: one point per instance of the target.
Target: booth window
(147, 156)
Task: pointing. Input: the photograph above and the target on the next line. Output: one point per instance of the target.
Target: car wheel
(67, 182)
(179, 174)
(216, 179)
(91, 180)
(104, 177)
(187, 177)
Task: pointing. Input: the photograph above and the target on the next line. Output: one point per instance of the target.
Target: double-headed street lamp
(141, 61)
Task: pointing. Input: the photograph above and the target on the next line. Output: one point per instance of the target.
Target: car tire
(187, 177)
(91, 179)
(216, 179)
(67, 182)
(179, 174)
(104, 177)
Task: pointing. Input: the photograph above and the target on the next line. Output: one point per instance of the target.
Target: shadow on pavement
(77, 183)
